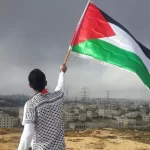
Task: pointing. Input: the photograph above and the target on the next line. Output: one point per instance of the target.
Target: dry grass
(9, 130)
(142, 149)
(99, 145)
(88, 140)
(139, 136)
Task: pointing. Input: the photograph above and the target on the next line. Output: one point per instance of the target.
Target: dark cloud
(36, 34)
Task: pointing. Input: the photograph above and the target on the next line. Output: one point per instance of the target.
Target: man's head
(37, 80)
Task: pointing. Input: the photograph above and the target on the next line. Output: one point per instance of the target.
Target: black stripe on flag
(145, 50)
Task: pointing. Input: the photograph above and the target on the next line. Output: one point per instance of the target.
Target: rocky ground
(104, 139)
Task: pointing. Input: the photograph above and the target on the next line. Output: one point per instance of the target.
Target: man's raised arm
(60, 84)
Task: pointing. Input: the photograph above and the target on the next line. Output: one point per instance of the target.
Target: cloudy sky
(36, 34)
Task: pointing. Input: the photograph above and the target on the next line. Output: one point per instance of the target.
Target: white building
(76, 110)
(93, 106)
(82, 117)
(92, 125)
(108, 113)
(7, 121)
(124, 106)
(77, 126)
(81, 106)
(89, 114)
(124, 122)
(115, 112)
(146, 118)
(101, 112)
(83, 126)
(132, 114)
(70, 116)
(21, 110)
(113, 106)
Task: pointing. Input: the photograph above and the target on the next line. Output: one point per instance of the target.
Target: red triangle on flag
(92, 26)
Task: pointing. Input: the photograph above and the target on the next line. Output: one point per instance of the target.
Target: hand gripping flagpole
(78, 26)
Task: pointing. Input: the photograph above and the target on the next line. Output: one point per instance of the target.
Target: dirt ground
(105, 139)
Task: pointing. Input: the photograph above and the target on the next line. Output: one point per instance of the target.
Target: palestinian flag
(100, 37)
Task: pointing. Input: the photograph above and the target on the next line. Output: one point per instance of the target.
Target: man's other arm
(26, 138)
(27, 135)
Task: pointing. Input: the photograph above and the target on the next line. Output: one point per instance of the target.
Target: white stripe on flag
(125, 41)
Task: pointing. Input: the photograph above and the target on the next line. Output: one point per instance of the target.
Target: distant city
(83, 112)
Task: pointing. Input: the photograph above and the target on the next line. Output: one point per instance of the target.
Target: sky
(36, 34)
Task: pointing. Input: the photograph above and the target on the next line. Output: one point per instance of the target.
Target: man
(43, 116)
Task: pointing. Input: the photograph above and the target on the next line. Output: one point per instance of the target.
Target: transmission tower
(108, 95)
(76, 98)
(84, 94)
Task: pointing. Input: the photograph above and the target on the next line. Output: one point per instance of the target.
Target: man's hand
(63, 68)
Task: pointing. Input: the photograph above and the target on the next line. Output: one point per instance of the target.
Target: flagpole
(78, 26)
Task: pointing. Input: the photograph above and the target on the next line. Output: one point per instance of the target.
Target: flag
(100, 37)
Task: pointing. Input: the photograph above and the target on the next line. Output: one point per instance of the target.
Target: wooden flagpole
(78, 26)
(67, 56)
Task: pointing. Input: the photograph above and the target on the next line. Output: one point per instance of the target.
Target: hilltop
(104, 139)
(15, 100)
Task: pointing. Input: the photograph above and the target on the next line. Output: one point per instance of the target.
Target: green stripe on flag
(111, 54)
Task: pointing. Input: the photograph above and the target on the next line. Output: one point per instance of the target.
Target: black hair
(37, 80)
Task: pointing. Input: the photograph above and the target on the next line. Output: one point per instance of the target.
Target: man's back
(49, 129)
(43, 115)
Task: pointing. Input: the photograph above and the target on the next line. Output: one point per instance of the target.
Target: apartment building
(7, 121)
(21, 110)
